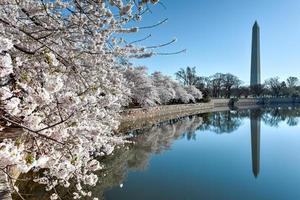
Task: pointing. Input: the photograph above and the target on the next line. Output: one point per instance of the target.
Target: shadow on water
(159, 138)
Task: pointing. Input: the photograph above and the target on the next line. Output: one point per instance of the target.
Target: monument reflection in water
(255, 118)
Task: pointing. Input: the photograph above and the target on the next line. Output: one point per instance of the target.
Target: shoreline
(132, 119)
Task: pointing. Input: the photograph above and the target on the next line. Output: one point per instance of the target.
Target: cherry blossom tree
(61, 83)
(157, 89)
(143, 92)
(192, 90)
(181, 95)
(164, 87)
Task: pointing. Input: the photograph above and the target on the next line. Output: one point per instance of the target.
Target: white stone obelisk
(255, 56)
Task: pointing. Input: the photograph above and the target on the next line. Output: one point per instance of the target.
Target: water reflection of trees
(152, 140)
(158, 138)
(229, 121)
(223, 122)
(273, 116)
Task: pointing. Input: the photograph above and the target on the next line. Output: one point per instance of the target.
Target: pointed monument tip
(255, 174)
(255, 23)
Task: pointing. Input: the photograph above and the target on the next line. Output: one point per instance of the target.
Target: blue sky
(217, 36)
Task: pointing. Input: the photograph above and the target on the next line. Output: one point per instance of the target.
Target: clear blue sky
(217, 36)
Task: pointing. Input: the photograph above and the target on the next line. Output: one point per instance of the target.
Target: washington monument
(255, 56)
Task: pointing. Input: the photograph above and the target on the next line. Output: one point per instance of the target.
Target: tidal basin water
(250, 154)
(231, 155)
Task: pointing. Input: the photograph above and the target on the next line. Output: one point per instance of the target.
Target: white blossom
(5, 93)
(12, 106)
(52, 59)
(54, 196)
(54, 83)
(91, 179)
(42, 161)
(5, 44)
(6, 67)
(94, 165)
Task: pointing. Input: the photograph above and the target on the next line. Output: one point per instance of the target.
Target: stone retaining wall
(240, 102)
(141, 117)
(279, 100)
(158, 111)
(132, 119)
(255, 101)
(246, 102)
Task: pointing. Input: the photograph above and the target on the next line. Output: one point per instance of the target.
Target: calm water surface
(251, 154)
(246, 154)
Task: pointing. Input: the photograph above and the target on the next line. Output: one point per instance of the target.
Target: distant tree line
(227, 85)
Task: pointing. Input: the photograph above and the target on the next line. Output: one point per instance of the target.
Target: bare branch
(161, 45)
(155, 25)
(172, 53)
(143, 39)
